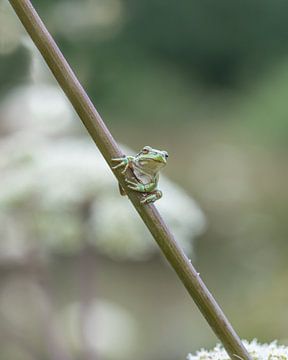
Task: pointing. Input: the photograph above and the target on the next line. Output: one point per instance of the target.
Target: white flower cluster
(57, 192)
(37, 108)
(258, 351)
(109, 328)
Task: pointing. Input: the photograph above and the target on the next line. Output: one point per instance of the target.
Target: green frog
(145, 167)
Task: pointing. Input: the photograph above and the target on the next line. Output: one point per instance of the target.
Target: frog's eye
(145, 151)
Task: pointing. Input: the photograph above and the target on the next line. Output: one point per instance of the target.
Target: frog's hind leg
(152, 197)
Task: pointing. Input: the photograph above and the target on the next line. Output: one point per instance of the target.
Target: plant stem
(109, 149)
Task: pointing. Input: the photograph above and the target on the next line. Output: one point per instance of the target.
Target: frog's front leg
(124, 161)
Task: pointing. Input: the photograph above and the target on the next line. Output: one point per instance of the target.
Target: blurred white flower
(102, 17)
(36, 108)
(109, 330)
(59, 193)
(124, 235)
(258, 351)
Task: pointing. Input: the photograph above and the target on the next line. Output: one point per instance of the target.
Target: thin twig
(109, 149)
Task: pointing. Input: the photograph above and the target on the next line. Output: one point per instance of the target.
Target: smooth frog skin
(145, 166)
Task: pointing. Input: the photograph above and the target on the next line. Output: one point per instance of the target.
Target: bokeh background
(80, 277)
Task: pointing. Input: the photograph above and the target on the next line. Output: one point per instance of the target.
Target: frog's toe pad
(133, 187)
(129, 182)
(122, 162)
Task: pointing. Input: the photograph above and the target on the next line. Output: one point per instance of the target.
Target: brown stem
(109, 149)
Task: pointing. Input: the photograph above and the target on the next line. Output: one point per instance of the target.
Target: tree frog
(145, 167)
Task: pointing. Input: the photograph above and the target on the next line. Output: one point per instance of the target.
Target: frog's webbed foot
(136, 186)
(149, 196)
(152, 197)
(122, 162)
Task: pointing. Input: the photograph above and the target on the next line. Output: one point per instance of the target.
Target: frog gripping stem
(110, 150)
(145, 167)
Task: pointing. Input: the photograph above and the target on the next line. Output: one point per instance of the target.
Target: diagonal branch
(109, 149)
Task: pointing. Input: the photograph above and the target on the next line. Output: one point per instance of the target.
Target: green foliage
(215, 40)
(263, 110)
(13, 69)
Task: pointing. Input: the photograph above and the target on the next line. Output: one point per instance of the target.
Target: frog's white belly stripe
(141, 177)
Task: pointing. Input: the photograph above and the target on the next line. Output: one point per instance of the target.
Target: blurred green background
(207, 81)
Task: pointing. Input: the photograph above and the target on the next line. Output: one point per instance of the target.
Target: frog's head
(152, 159)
